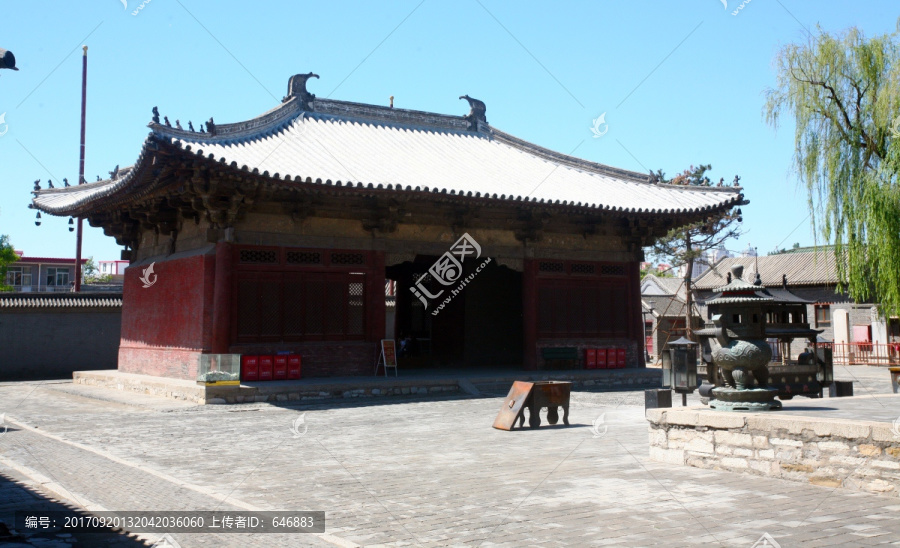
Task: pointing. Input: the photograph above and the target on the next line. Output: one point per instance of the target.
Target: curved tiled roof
(345, 144)
(60, 300)
(806, 268)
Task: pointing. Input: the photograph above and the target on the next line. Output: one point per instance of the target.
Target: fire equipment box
(280, 367)
(601, 358)
(249, 368)
(293, 362)
(590, 358)
(265, 368)
(620, 358)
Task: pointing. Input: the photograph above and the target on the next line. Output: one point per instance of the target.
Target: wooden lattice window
(583, 269)
(300, 306)
(612, 270)
(348, 259)
(570, 308)
(550, 266)
(258, 256)
(303, 257)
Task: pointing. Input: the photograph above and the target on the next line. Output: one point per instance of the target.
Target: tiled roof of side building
(339, 143)
(666, 306)
(810, 268)
(47, 260)
(60, 300)
(671, 284)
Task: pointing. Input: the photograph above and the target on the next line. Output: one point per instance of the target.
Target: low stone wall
(860, 455)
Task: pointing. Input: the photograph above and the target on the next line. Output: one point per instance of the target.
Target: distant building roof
(48, 260)
(806, 268)
(670, 285)
(666, 306)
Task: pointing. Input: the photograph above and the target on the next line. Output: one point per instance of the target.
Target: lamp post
(684, 367)
(644, 314)
(81, 169)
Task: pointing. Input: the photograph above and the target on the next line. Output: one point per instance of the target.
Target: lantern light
(71, 225)
(37, 220)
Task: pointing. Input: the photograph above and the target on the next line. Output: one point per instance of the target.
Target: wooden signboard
(387, 357)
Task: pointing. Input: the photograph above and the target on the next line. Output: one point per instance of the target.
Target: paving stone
(422, 470)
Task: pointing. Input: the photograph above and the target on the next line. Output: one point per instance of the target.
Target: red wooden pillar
(222, 288)
(635, 318)
(375, 296)
(529, 314)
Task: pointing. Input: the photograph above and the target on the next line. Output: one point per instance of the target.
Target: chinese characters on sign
(448, 270)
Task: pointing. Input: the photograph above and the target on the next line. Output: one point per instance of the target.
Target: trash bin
(657, 397)
(840, 389)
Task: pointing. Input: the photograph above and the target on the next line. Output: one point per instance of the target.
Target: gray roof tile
(347, 144)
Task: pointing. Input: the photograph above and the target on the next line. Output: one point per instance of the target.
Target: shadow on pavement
(16, 496)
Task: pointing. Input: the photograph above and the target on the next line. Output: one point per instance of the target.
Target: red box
(590, 358)
(294, 365)
(620, 358)
(265, 368)
(601, 358)
(280, 368)
(249, 368)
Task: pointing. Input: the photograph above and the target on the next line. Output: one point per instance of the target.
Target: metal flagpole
(81, 168)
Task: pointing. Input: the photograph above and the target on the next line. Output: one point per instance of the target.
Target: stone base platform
(832, 442)
(415, 383)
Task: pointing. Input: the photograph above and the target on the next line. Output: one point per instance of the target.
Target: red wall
(167, 325)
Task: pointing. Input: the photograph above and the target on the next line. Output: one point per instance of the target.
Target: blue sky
(681, 83)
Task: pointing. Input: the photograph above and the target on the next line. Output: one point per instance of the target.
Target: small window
(823, 315)
(57, 277)
(18, 275)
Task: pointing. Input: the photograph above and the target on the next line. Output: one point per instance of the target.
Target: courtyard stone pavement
(408, 472)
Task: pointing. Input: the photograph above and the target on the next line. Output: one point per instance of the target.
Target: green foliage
(684, 245)
(843, 90)
(7, 257)
(92, 273)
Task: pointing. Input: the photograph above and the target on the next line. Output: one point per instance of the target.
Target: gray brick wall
(47, 343)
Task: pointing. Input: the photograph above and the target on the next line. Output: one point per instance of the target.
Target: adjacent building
(808, 276)
(281, 232)
(663, 305)
(33, 274)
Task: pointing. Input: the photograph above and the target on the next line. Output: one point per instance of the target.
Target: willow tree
(688, 244)
(843, 91)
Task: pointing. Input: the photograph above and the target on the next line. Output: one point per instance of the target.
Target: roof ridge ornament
(297, 88)
(476, 114)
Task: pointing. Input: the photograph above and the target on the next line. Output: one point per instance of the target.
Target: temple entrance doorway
(476, 325)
